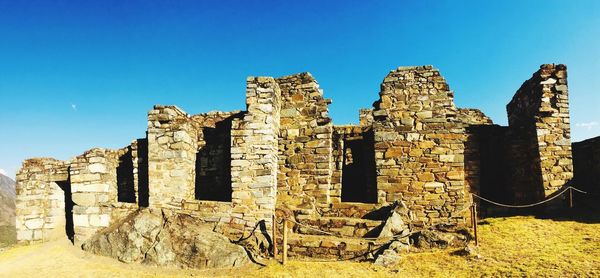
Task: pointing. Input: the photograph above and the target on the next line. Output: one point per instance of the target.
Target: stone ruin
(283, 156)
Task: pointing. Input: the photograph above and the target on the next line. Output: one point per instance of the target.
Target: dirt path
(61, 259)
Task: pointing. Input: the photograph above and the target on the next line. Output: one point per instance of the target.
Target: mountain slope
(7, 201)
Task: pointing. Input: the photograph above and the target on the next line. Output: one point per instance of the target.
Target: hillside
(521, 246)
(7, 201)
(7, 211)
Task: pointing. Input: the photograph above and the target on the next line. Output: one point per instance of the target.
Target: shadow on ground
(582, 214)
(8, 236)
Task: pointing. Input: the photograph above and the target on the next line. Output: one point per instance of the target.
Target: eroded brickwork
(172, 147)
(95, 190)
(41, 200)
(254, 154)
(419, 146)
(538, 115)
(284, 156)
(304, 144)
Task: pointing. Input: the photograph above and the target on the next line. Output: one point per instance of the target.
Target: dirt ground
(513, 246)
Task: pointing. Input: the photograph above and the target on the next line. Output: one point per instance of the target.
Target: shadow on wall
(69, 229)
(509, 166)
(125, 184)
(586, 164)
(142, 165)
(213, 163)
(359, 180)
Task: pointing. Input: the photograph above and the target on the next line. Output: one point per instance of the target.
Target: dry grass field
(522, 246)
(8, 236)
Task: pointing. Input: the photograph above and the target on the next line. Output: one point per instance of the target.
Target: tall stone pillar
(254, 154)
(172, 147)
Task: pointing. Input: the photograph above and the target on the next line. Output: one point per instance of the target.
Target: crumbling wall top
(415, 98)
(471, 116)
(538, 95)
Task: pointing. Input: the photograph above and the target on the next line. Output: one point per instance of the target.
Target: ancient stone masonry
(172, 147)
(43, 197)
(304, 144)
(413, 152)
(540, 112)
(531, 158)
(254, 154)
(419, 146)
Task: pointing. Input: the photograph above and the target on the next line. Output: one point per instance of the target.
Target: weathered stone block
(97, 168)
(34, 223)
(101, 220)
(80, 220)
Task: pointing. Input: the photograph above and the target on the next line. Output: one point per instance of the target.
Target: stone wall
(474, 121)
(139, 153)
(539, 123)
(236, 169)
(254, 160)
(95, 188)
(172, 147)
(419, 146)
(531, 158)
(365, 117)
(43, 191)
(586, 161)
(189, 163)
(305, 144)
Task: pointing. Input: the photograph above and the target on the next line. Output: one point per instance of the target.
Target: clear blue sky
(79, 74)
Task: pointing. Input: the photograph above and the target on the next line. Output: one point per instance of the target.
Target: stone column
(94, 189)
(254, 154)
(172, 146)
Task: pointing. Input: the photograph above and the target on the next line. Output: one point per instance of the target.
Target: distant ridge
(7, 201)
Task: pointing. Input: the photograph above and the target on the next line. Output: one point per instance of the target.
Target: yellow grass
(515, 246)
(7, 236)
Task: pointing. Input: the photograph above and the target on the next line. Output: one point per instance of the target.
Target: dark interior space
(525, 176)
(492, 162)
(125, 185)
(66, 188)
(509, 163)
(143, 193)
(359, 181)
(586, 170)
(213, 163)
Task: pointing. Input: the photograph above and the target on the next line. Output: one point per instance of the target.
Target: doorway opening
(68, 208)
(359, 180)
(213, 163)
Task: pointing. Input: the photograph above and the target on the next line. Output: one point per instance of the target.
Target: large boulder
(394, 224)
(440, 237)
(388, 258)
(161, 238)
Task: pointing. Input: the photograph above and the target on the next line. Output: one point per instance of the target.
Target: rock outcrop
(441, 237)
(158, 237)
